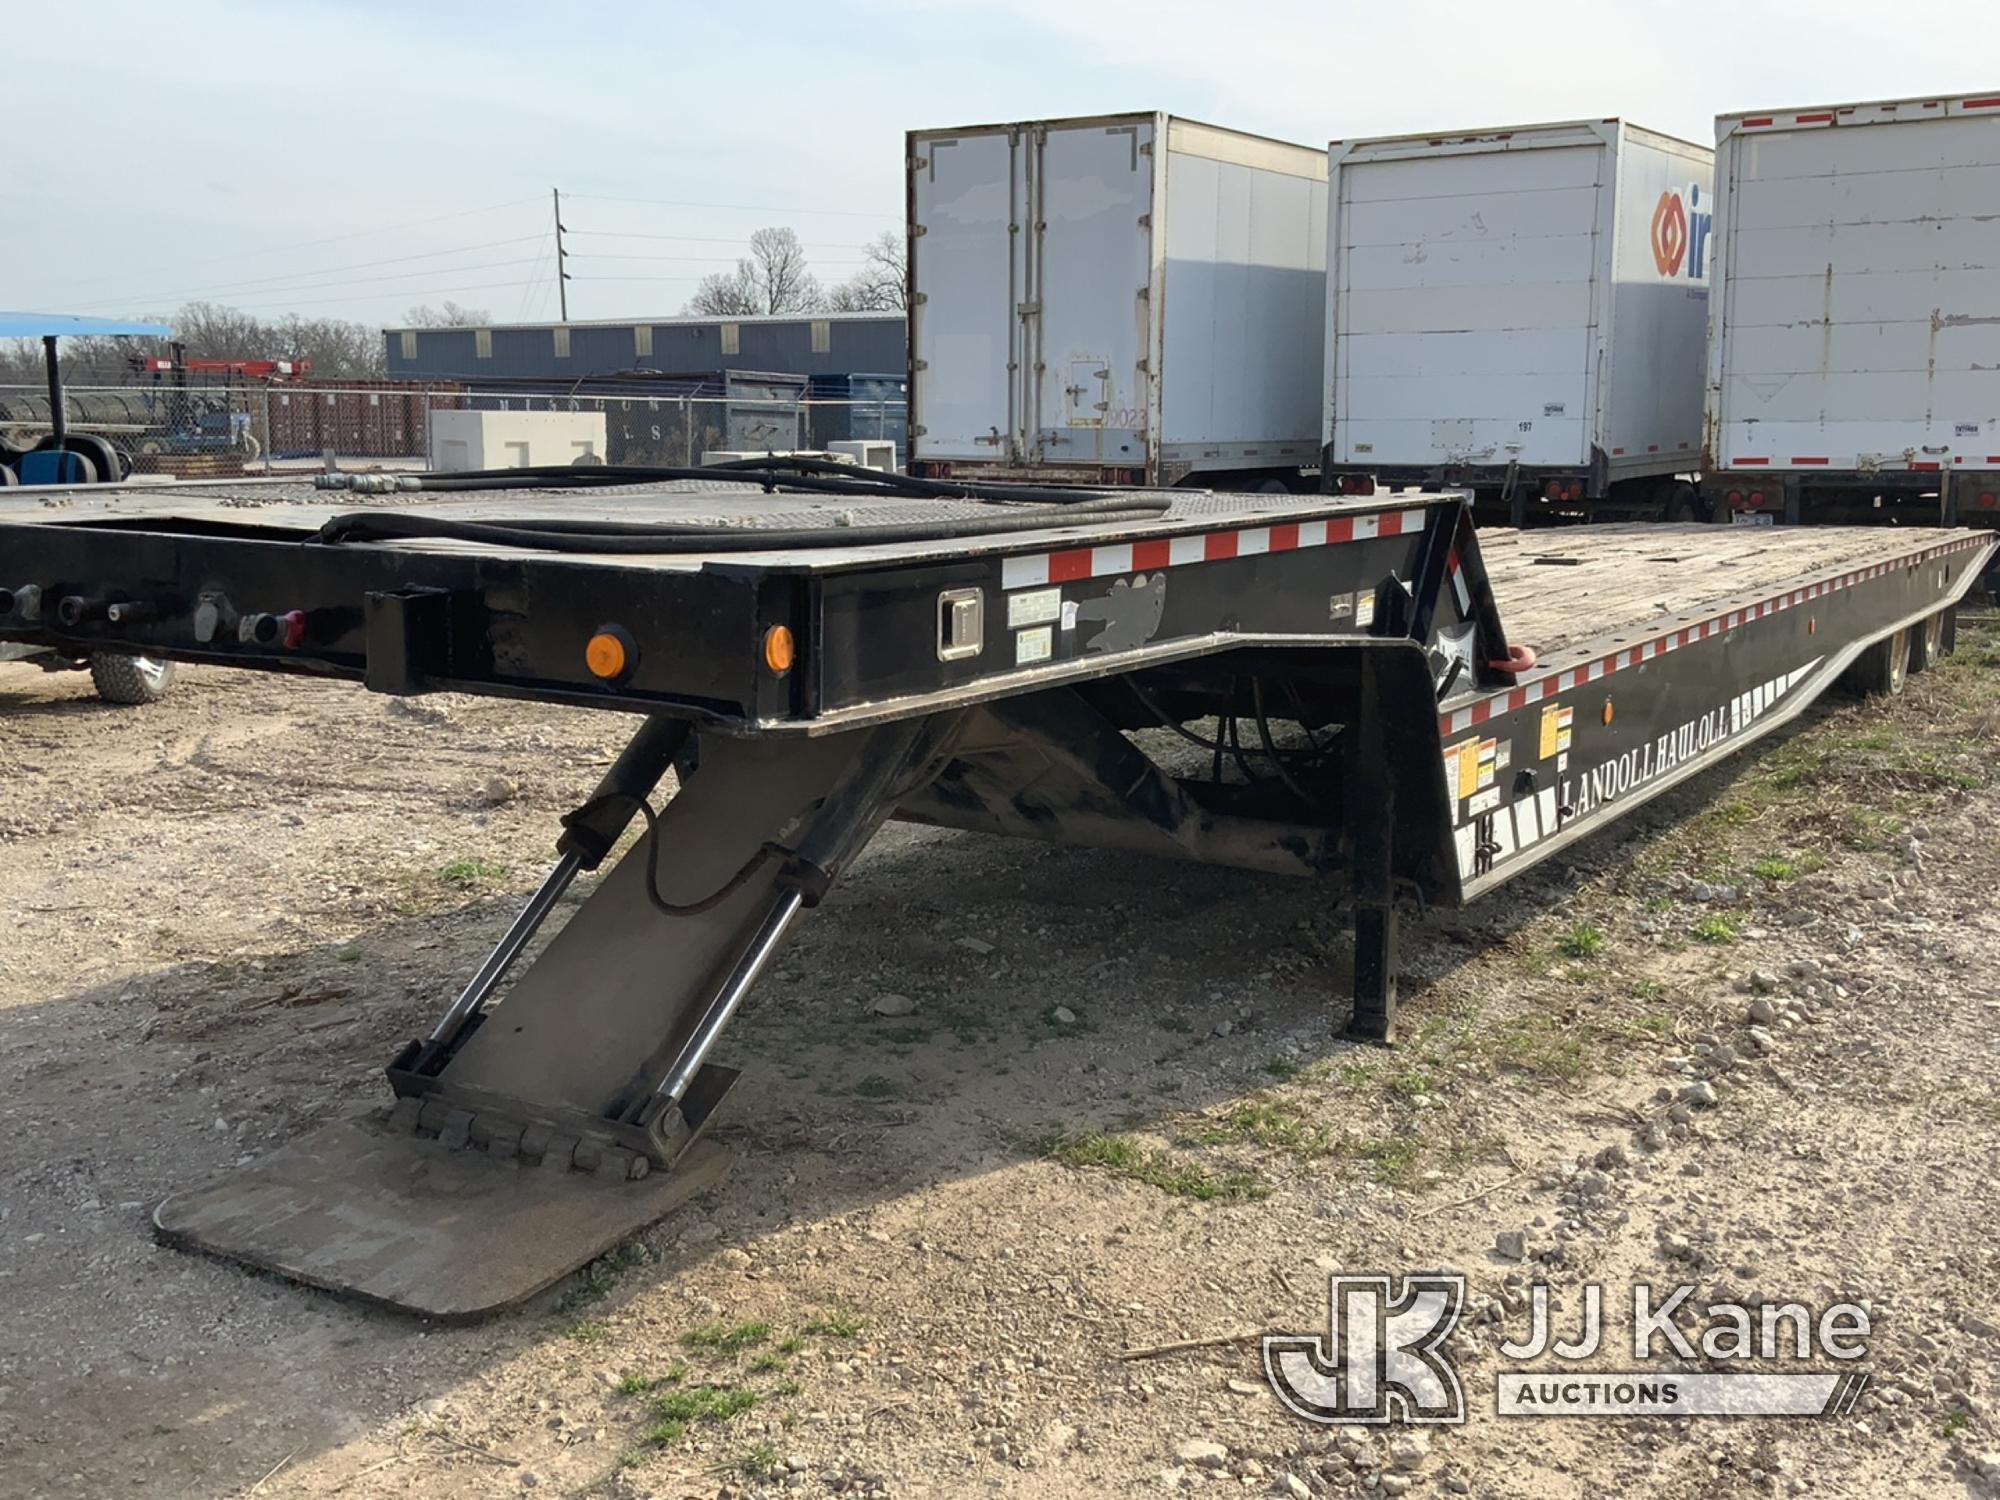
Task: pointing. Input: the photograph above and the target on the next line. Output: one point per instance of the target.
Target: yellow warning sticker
(1468, 768)
(1555, 730)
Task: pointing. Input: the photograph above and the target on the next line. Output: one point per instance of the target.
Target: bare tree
(882, 283)
(772, 278)
(451, 315)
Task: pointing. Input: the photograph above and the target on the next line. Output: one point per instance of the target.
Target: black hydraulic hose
(797, 472)
(640, 538)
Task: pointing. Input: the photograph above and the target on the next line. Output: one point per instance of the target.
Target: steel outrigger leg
(531, 1135)
(1372, 832)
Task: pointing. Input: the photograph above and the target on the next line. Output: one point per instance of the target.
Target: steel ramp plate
(404, 1221)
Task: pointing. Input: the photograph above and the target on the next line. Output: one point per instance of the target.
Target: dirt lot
(221, 914)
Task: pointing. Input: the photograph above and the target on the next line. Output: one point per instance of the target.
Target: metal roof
(27, 325)
(677, 321)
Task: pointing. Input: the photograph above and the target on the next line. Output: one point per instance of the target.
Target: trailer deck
(1357, 709)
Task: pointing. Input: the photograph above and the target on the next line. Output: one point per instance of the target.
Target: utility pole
(562, 274)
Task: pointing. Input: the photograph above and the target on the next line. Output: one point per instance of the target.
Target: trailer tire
(1927, 641)
(130, 679)
(1883, 669)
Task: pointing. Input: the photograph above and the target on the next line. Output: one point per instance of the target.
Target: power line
(446, 291)
(486, 265)
(371, 232)
(278, 283)
(748, 208)
(688, 239)
(704, 260)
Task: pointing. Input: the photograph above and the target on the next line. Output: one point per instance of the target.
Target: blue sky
(353, 159)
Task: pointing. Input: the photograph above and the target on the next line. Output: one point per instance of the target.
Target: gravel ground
(1010, 1114)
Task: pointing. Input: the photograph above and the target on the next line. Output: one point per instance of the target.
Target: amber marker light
(780, 650)
(611, 654)
(1607, 711)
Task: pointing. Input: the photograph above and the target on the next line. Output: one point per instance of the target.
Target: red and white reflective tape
(1041, 568)
(1552, 683)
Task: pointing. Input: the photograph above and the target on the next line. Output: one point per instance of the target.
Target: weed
(759, 1461)
(590, 1331)
(766, 1362)
(468, 872)
(1122, 1156)
(875, 1086)
(835, 1324)
(698, 1403)
(905, 1036)
(597, 1279)
(1392, 1158)
(1719, 927)
(791, 1344)
(1179, 1024)
(1584, 940)
(1272, 1123)
(1775, 867)
(726, 1338)
(1282, 1070)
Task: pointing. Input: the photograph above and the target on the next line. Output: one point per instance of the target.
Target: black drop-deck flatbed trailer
(1357, 710)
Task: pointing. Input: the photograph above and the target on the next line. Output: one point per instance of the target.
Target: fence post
(270, 437)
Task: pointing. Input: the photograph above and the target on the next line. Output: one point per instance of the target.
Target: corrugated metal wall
(853, 344)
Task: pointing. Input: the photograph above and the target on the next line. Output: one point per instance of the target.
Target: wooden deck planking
(1558, 588)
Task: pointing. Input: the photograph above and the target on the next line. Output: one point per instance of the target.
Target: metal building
(827, 344)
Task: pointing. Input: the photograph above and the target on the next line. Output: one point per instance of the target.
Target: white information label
(1034, 645)
(1040, 607)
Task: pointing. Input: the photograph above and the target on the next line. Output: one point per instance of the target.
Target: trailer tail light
(1756, 499)
(1357, 484)
(1558, 489)
(1735, 499)
(611, 654)
(1987, 500)
(780, 650)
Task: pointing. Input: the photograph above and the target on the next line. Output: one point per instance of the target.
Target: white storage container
(462, 440)
(1534, 298)
(1856, 335)
(1121, 297)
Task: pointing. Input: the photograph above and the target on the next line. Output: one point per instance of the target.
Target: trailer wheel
(130, 679)
(1882, 669)
(1927, 642)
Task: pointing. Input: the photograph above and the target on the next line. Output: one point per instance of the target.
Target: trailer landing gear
(529, 1137)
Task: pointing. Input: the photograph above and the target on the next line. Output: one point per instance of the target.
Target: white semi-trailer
(1522, 312)
(1119, 299)
(1854, 357)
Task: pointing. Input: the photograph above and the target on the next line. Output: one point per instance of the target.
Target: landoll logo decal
(1680, 233)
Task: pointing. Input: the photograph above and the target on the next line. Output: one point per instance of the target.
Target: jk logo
(1380, 1360)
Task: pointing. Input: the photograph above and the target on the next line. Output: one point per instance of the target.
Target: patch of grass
(726, 1338)
(469, 872)
(1392, 1159)
(1275, 1124)
(1537, 1044)
(590, 1331)
(875, 1086)
(766, 1362)
(696, 1403)
(1956, 1421)
(1719, 927)
(639, 1385)
(904, 1036)
(758, 1461)
(1775, 867)
(791, 1344)
(1282, 1070)
(1583, 940)
(1122, 1156)
(835, 1324)
(969, 1026)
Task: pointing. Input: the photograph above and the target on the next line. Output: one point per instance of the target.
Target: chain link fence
(212, 431)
